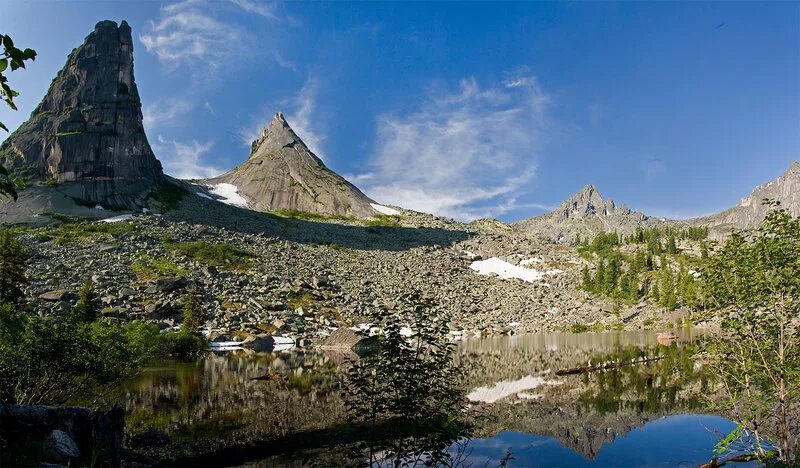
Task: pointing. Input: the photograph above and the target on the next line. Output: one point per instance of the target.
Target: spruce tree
(655, 293)
(587, 279)
(88, 307)
(600, 276)
(193, 316)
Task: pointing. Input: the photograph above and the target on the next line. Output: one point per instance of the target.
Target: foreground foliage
(406, 396)
(60, 360)
(755, 282)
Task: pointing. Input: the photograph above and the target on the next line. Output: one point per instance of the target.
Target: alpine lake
(617, 398)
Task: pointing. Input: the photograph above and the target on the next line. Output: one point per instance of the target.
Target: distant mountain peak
(587, 202)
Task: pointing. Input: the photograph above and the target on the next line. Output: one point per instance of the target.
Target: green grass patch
(311, 216)
(169, 196)
(74, 132)
(304, 299)
(149, 268)
(383, 220)
(221, 255)
(74, 231)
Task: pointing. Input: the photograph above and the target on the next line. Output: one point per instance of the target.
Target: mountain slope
(85, 140)
(751, 210)
(586, 213)
(283, 174)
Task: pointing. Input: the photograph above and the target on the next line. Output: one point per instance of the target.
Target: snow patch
(116, 219)
(229, 194)
(225, 193)
(530, 261)
(507, 388)
(506, 270)
(99, 207)
(384, 209)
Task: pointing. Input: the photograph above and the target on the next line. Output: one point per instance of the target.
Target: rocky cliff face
(751, 210)
(87, 132)
(586, 213)
(283, 174)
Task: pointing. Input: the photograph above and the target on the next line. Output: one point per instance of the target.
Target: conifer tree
(587, 279)
(600, 276)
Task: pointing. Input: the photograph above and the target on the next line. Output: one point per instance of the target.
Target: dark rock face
(87, 132)
(68, 434)
(283, 174)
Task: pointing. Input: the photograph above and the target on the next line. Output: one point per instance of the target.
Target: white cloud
(299, 113)
(267, 10)
(186, 33)
(303, 106)
(165, 111)
(185, 160)
(463, 154)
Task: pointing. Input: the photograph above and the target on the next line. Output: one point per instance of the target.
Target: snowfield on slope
(226, 193)
(506, 270)
(384, 209)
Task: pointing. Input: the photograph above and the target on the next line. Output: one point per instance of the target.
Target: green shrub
(579, 328)
(61, 360)
(13, 255)
(384, 221)
(149, 268)
(88, 307)
(169, 196)
(311, 216)
(221, 255)
(74, 231)
(193, 315)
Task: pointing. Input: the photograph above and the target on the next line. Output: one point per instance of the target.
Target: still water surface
(643, 414)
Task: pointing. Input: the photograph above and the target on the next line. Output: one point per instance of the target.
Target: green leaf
(29, 54)
(7, 42)
(3, 126)
(3, 65)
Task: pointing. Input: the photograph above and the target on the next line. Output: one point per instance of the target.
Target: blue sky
(461, 109)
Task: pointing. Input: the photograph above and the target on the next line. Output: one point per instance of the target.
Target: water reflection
(518, 401)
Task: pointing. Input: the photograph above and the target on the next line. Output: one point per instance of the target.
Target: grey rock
(60, 448)
(87, 132)
(56, 295)
(283, 174)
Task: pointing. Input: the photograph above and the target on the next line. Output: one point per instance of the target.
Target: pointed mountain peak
(276, 135)
(283, 174)
(587, 202)
(794, 168)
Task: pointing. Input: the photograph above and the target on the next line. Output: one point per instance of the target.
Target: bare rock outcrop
(283, 174)
(86, 136)
(751, 210)
(586, 213)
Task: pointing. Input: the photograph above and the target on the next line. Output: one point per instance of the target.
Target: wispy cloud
(165, 111)
(267, 10)
(465, 153)
(299, 111)
(302, 108)
(187, 32)
(185, 160)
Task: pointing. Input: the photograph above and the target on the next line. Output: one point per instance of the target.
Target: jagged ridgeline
(86, 136)
(585, 214)
(282, 174)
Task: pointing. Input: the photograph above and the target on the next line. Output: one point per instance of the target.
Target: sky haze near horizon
(461, 109)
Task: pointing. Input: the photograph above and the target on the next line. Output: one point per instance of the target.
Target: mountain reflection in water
(633, 415)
